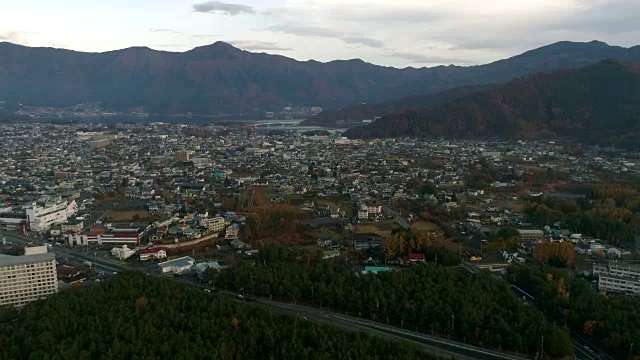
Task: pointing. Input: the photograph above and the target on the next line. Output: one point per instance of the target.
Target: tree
(554, 253)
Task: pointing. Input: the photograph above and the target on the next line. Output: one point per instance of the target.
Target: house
(414, 258)
(239, 244)
(202, 267)
(232, 231)
(330, 254)
(261, 182)
(153, 253)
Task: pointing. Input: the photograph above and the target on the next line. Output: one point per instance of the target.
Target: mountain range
(221, 79)
(599, 103)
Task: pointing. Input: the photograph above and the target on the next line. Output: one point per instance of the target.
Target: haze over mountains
(221, 79)
(599, 103)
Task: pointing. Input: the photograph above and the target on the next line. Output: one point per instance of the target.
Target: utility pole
(542, 349)
(630, 351)
(453, 323)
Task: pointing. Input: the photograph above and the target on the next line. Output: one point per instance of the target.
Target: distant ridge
(222, 79)
(599, 103)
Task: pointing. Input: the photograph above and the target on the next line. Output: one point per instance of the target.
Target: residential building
(202, 267)
(618, 277)
(27, 278)
(531, 235)
(72, 226)
(215, 224)
(232, 231)
(181, 155)
(363, 213)
(153, 253)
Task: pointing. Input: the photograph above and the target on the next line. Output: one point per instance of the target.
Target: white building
(42, 214)
(27, 278)
(153, 253)
(177, 266)
(122, 253)
(215, 224)
(620, 277)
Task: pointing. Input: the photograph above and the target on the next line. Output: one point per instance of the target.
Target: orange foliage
(546, 251)
(590, 326)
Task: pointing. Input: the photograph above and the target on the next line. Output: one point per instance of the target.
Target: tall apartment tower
(27, 278)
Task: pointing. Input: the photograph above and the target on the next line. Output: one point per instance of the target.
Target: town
(189, 201)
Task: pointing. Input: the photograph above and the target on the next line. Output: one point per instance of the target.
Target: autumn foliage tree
(274, 221)
(400, 243)
(554, 253)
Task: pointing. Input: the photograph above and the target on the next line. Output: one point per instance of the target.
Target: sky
(397, 33)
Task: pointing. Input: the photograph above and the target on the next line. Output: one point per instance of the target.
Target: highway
(584, 350)
(430, 344)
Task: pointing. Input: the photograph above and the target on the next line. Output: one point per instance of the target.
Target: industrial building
(177, 266)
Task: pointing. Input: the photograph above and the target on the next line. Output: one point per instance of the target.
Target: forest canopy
(138, 317)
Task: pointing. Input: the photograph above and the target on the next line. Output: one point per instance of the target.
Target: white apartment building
(215, 224)
(41, 215)
(27, 278)
(620, 277)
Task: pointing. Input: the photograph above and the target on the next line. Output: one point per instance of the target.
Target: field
(325, 233)
(426, 226)
(382, 229)
(127, 215)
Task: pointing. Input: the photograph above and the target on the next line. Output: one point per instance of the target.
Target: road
(430, 344)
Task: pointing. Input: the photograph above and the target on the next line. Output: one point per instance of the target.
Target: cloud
(363, 40)
(416, 58)
(318, 31)
(258, 45)
(304, 30)
(217, 7)
(16, 37)
(170, 31)
(204, 36)
(611, 17)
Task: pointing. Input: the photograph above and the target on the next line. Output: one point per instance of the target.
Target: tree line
(611, 321)
(474, 308)
(138, 317)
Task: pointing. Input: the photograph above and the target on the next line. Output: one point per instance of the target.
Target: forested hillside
(598, 103)
(222, 79)
(137, 317)
(477, 309)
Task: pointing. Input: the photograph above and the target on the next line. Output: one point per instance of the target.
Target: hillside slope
(598, 103)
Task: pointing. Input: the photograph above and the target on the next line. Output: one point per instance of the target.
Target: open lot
(426, 226)
(127, 215)
(382, 229)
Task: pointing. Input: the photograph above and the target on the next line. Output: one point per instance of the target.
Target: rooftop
(7, 260)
